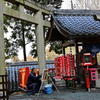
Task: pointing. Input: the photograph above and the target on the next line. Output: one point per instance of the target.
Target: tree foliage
(20, 28)
(56, 46)
(86, 4)
(55, 3)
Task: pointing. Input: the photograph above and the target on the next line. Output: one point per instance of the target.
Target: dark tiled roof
(77, 22)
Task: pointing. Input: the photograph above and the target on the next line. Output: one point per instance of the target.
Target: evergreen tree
(86, 4)
(55, 3)
(23, 32)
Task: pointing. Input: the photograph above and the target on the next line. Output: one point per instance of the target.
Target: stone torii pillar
(37, 19)
(39, 39)
(40, 42)
(2, 47)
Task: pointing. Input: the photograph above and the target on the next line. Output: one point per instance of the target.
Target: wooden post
(2, 47)
(63, 50)
(77, 60)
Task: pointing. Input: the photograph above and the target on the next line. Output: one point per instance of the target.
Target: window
(87, 58)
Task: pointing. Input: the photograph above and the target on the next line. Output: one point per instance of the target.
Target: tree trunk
(24, 46)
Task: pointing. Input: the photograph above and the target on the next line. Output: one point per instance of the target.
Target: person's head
(34, 70)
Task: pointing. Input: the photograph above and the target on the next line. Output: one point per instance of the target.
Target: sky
(67, 4)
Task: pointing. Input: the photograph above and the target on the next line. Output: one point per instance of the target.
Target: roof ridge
(76, 12)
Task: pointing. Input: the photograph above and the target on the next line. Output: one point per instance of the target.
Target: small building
(78, 28)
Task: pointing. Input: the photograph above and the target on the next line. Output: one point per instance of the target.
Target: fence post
(4, 87)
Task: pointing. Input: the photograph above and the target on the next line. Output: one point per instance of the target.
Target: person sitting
(34, 82)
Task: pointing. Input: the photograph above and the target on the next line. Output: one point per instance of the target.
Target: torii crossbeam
(36, 19)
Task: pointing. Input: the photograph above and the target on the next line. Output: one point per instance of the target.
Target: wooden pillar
(77, 60)
(63, 50)
(2, 47)
(40, 42)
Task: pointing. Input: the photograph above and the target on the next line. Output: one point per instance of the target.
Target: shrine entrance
(80, 28)
(38, 19)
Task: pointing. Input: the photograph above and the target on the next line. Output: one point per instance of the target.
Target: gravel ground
(77, 95)
(65, 94)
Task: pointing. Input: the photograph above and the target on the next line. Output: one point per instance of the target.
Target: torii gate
(36, 19)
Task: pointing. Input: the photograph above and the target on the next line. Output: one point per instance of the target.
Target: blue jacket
(33, 79)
